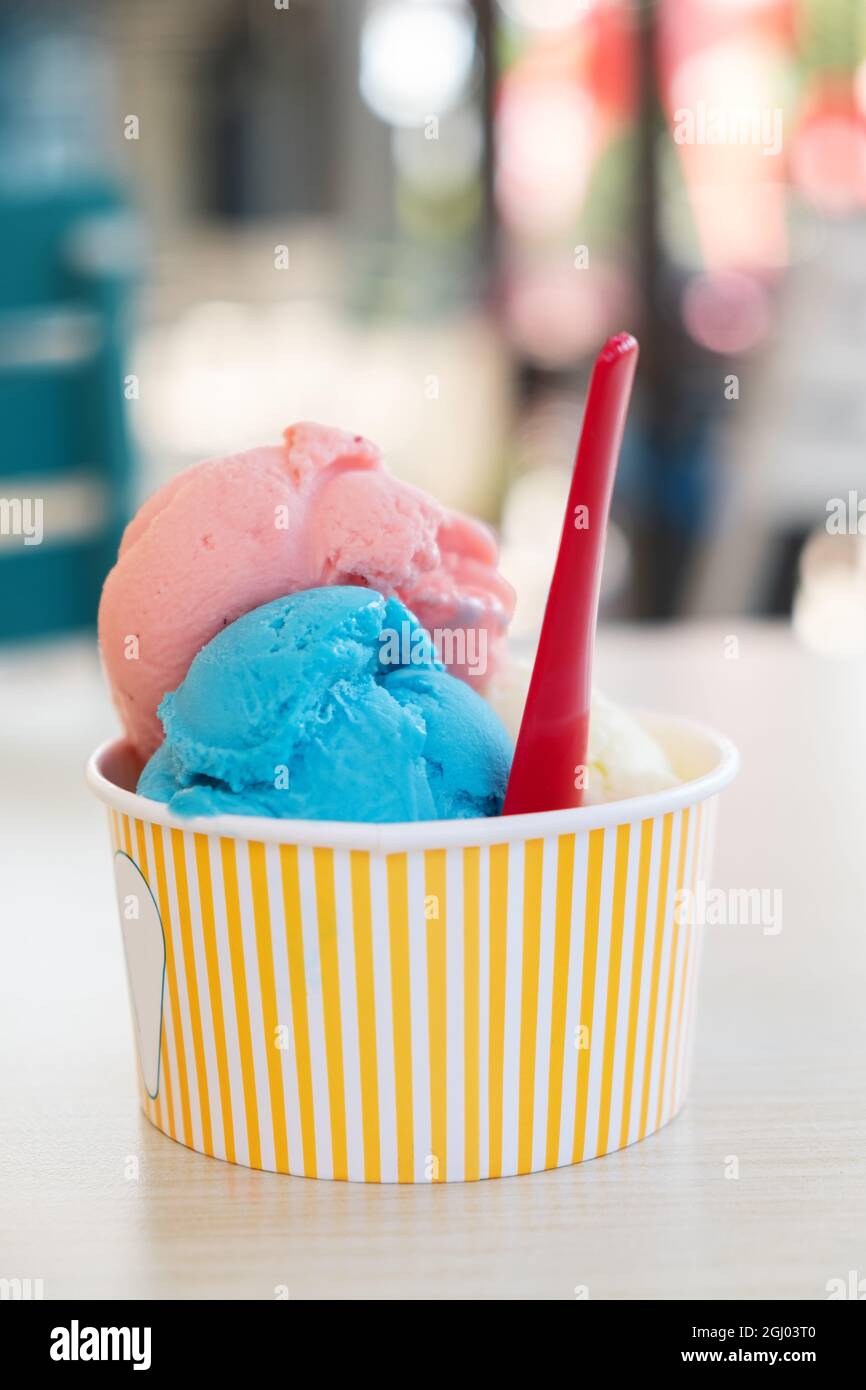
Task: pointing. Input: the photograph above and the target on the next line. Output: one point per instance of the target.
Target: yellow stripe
(164, 1087)
(496, 1047)
(434, 887)
(697, 864)
(362, 920)
(298, 987)
(171, 974)
(141, 844)
(664, 871)
(398, 922)
(640, 915)
(192, 986)
(533, 866)
(613, 974)
(559, 1002)
(595, 860)
(471, 1009)
(205, 891)
(242, 1007)
(681, 870)
(127, 835)
(323, 864)
(270, 1018)
(115, 831)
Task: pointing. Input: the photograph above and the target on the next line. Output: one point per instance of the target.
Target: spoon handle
(552, 743)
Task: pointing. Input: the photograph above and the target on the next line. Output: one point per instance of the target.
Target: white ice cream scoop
(623, 759)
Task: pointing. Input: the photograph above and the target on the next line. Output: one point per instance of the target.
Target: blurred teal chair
(67, 265)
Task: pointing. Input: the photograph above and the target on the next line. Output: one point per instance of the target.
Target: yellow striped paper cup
(426, 1002)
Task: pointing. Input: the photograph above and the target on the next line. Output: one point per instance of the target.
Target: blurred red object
(610, 60)
(828, 158)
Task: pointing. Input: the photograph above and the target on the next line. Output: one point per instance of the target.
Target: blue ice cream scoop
(330, 704)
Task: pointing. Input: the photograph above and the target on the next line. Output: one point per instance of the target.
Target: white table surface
(779, 1079)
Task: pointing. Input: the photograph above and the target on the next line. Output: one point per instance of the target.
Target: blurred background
(418, 220)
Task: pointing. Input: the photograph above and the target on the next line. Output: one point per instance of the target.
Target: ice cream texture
(297, 710)
(623, 759)
(231, 534)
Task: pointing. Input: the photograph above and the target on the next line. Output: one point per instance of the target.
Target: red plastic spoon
(551, 745)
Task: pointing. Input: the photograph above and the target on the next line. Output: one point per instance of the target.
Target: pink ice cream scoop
(231, 534)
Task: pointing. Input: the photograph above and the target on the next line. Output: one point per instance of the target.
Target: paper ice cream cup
(419, 1002)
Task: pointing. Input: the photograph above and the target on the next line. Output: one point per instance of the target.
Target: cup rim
(398, 836)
